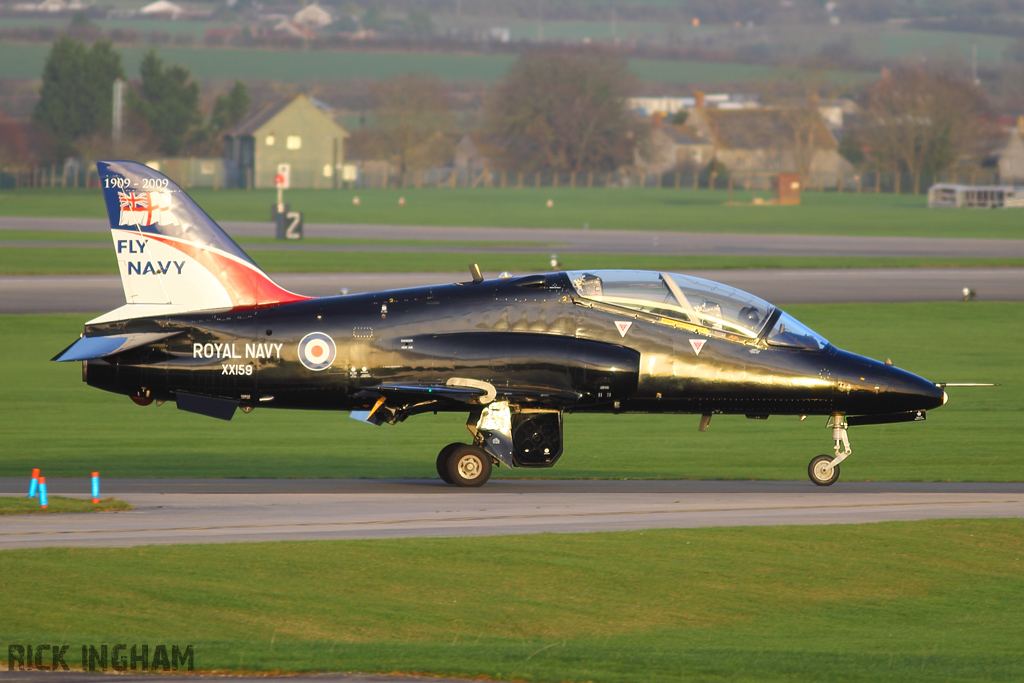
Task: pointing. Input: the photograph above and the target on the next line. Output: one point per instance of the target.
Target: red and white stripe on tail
(172, 256)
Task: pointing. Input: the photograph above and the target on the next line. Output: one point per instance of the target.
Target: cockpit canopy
(693, 300)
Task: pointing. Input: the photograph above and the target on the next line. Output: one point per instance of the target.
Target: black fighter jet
(205, 327)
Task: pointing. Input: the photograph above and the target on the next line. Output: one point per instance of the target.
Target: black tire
(442, 462)
(816, 471)
(469, 466)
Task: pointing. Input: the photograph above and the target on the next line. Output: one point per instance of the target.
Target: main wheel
(469, 466)
(820, 472)
(442, 462)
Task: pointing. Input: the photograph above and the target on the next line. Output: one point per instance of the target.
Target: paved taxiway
(565, 240)
(247, 510)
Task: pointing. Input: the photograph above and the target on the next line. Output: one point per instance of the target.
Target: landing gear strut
(824, 469)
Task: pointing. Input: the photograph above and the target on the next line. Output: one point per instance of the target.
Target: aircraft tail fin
(172, 256)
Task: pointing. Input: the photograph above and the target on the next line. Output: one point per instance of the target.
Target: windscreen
(789, 331)
(681, 297)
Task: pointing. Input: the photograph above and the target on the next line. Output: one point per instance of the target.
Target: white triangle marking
(697, 345)
(623, 326)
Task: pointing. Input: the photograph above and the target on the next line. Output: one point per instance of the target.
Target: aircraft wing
(89, 348)
(470, 392)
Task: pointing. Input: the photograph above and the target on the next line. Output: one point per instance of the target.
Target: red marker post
(279, 184)
(43, 500)
(33, 486)
(95, 488)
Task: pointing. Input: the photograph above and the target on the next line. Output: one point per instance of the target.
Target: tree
(76, 96)
(229, 109)
(420, 23)
(808, 133)
(82, 26)
(21, 142)
(923, 123)
(374, 20)
(412, 118)
(564, 112)
(168, 101)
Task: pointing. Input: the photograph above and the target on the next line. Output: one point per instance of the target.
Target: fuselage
(535, 334)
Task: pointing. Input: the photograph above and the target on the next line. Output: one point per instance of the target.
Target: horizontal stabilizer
(89, 348)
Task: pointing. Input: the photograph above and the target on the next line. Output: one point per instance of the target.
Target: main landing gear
(529, 437)
(464, 465)
(824, 469)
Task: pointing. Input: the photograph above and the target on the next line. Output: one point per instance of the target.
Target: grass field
(683, 210)
(289, 66)
(50, 419)
(58, 504)
(903, 601)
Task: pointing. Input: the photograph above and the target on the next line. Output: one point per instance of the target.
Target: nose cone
(869, 387)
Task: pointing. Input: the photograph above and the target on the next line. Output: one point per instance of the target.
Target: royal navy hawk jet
(204, 327)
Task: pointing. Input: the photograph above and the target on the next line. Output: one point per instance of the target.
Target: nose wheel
(824, 469)
(822, 472)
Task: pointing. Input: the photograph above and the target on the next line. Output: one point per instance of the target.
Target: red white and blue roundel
(317, 351)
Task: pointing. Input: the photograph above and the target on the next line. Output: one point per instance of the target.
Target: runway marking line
(502, 517)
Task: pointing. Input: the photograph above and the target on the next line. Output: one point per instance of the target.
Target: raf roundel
(317, 351)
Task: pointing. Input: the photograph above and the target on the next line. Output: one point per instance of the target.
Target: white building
(313, 16)
(162, 8)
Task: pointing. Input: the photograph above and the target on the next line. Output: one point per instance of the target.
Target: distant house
(313, 16)
(162, 8)
(764, 141)
(675, 147)
(499, 34)
(1010, 157)
(191, 171)
(665, 105)
(293, 30)
(297, 135)
(221, 36)
(51, 6)
(477, 151)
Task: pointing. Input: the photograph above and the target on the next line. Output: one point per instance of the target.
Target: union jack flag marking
(142, 209)
(132, 201)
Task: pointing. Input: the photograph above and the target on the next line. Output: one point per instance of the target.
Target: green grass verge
(290, 66)
(29, 506)
(682, 210)
(901, 601)
(53, 421)
(37, 260)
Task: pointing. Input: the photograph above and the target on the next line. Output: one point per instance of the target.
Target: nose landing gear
(824, 469)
